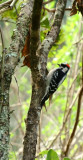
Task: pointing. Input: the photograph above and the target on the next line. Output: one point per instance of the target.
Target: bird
(54, 79)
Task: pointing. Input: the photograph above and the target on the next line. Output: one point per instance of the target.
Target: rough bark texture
(38, 69)
(11, 60)
(4, 115)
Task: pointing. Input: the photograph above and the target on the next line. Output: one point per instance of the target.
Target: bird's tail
(44, 99)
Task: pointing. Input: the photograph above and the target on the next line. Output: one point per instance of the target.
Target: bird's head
(63, 65)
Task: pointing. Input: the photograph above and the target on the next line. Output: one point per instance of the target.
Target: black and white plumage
(54, 78)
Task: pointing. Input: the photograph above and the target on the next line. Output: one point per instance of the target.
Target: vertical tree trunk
(11, 60)
(4, 114)
(39, 54)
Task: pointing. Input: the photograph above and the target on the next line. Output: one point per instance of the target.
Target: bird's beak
(59, 64)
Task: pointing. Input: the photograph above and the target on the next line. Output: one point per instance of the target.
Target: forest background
(64, 117)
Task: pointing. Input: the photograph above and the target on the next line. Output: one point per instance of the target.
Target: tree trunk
(10, 62)
(4, 114)
(39, 54)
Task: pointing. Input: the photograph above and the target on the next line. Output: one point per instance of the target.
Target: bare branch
(76, 123)
(47, 2)
(66, 117)
(2, 64)
(11, 60)
(19, 35)
(4, 9)
(74, 79)
(82, 69)
(54, 10)
(13, 3)
(7, 20)
(5, 4)
(51, 37)
(2, 39)
(19, 124)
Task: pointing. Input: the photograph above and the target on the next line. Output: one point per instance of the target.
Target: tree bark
(39, 54)
(4, 114)
(10, 61)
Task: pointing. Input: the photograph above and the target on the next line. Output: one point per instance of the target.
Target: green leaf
(66, 158)
(52, 155)
(43, 153)
(45, 22)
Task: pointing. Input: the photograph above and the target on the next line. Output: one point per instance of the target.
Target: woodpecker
(54, 78)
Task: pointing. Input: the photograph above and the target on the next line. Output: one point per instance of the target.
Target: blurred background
(68, 48)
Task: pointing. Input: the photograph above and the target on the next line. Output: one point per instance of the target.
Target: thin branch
(7, 20)
(13, 3)
(44, 3)
(8, 6)
(78, 134)
(2, 38)
(78, 41)
(82, 69)
(11, 59)
(74, 79)
(66, 117)
(4, 9)
(2, 64)
(5, 4)
(19, 124)
(54, 10)
(76, 123)
(52, 35)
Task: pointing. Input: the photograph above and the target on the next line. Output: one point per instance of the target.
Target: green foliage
(66, 158)
(63, 50)
(43, 153)
(45, 22)
(52, 155)
(12, 156)
(13, 14)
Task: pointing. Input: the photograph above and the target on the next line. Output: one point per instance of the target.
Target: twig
(47, 2)
(79, 134)
(8, 6)
(7, 20)
(66, 118)
(78, 41)
(16, 10)
(54, 10)
(71, 92)
(13, 3)
(2, 38)
(19, 123)
(5, 9)
(82, 69)
(74, 79)
(14, 151)
(5, 4)
(76, 122)
(18, 89)
(2, 64)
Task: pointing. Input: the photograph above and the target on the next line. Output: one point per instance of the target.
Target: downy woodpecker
(54, 78)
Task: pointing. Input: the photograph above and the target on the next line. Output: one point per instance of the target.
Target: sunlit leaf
(52, 155)
(66, 158)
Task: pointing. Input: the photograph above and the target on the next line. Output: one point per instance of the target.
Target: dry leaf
(26, 51)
